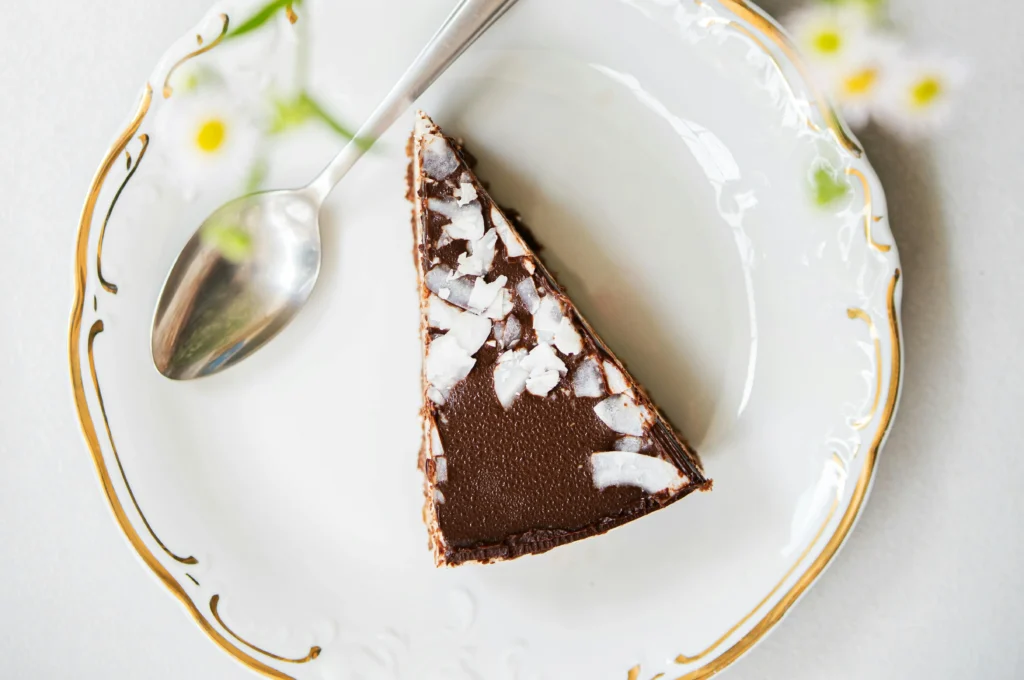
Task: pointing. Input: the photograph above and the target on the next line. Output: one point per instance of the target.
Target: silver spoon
(216, 309)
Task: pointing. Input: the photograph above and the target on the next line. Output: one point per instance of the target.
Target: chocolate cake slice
(534, 434)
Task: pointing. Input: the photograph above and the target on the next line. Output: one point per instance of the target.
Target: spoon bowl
(251, 266)
(241, 278)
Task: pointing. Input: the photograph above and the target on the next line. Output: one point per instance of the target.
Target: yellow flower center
(210, 137)
(828, 42)
(860, 83)
(926, 91)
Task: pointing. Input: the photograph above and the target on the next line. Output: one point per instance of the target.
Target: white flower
(208, 137)
(830, 37)
(857, 86)
(917, 94)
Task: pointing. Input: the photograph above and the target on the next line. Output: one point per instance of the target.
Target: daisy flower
(857, 86)
(830, 36)
(208, 137)
(917, 94)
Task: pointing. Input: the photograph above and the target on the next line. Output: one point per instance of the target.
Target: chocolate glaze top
(526, 470)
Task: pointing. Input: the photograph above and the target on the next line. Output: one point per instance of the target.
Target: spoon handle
(467, 22)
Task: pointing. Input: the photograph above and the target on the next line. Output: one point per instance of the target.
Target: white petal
(623, 415)
(623, 468)
(586, 381)
(513, 245)
(616, 380)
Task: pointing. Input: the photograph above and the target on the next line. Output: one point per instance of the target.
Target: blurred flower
(916, 97)
(830, 36)
(208, 137)
(857, 86)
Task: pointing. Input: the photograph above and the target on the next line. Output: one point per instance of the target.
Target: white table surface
(931, 584)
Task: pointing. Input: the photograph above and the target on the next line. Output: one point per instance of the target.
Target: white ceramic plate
(662, 150)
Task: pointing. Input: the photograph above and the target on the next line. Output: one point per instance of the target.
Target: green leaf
(261, 17)
(290, 114)
(827, 186)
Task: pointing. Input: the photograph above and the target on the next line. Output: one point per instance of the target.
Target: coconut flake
(631, 444)
(435, 395)
(471, 331)
(624, 468)
(510, 377)
(480, 256)
(454, 290)
(447, 363)
(540, 385)
(514, 246)
(440, 470)
(466, 193)
(439, 160)
(501, 307)
(512, 332)
(529, 266)
(484, 294)
(547, 319)
(440, 314)
(467, 223)
(545, 369)
(527, 291)
(435, 441)
(438, 496)
(567, 338)
(586, 381)
(623, 415)
(616, 380)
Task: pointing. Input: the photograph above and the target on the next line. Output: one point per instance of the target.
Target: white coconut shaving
(436, 449)
(440, 314)
(439, 160)
(514, 246)
(440, 470)
(484, 294)
(466, 192)
(510, 377)
(502, 305)
(446, 364)
(547, 319)
(567, 338)
(631, 444)
(471, 331)
(616, 380)
(479, 257)
(441, 282)
(624, 468)
(467, 222)
(438, 496)
(623, 415)
(545, 369)
(511, 332)
(527, 291)
(586, 381)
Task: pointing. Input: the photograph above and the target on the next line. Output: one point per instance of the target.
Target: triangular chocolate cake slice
(534, 434)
